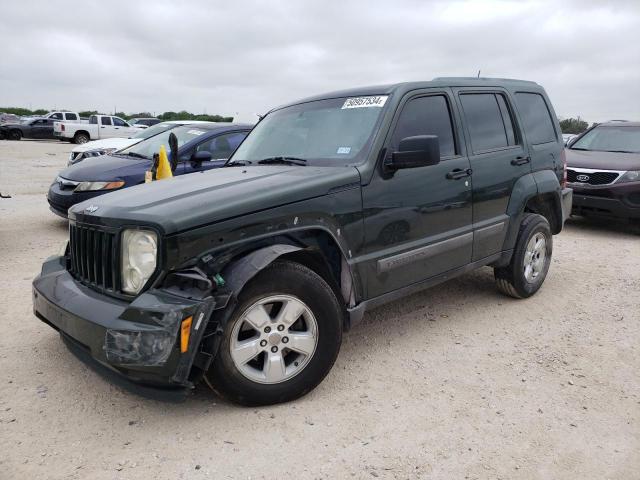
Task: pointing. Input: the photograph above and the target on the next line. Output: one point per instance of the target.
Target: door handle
(458, 173)
(520, 160)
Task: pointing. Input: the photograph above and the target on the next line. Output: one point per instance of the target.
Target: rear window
(535, 118)
(488, 120)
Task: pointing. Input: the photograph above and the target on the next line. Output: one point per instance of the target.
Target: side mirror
(201, 156)
(414, 152)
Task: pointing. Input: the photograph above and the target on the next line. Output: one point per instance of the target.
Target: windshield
(151, 131)
(148, 147)
(610, 139)
(329, 132)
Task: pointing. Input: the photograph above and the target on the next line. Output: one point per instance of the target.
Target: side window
(93, 120)
(223, 146)
(57, 116)
(536, 118)
(105, 120)
(426, 116)
(71, 116)
(118, 122)
(488, 120)
(507, 120)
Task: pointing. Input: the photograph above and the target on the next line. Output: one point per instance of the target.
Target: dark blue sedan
(200, 147)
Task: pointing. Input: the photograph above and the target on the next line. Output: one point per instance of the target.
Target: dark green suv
(333, 205)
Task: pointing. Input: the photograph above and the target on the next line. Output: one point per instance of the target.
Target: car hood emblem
(91, 208)
(582, 178)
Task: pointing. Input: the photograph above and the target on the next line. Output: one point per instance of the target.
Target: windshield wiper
(283, 161)
(136, 155)
(578, 148)
(621, 151)
(240, 163)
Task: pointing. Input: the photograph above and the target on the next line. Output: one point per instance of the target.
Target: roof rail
(515, 80)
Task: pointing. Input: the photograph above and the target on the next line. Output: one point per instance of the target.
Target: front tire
(530, 261)
(15, 135)
(282, 338)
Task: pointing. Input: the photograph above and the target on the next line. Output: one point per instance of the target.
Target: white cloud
(249, 56)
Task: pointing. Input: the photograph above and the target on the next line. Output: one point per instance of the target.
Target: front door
(220, 148)
(417, 221)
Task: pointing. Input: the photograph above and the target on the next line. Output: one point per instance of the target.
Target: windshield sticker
(344, 150)
(364, 102)
(195, 132)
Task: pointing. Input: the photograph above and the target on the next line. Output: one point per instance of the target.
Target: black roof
(404, 87)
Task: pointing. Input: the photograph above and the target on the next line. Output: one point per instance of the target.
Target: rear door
(498, 157)
(540, 131)
(106, 127)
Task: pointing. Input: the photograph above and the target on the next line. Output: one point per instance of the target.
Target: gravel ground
(455, 382)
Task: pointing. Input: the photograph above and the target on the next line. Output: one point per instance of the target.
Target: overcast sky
(227, 57)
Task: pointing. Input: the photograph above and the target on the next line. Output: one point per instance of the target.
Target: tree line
(181, 115)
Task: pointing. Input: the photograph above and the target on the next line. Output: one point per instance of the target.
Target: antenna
(478, 74)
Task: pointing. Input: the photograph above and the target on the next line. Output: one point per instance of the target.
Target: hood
(189, 201)
(602, 160)
(105, 168)
(118, 143)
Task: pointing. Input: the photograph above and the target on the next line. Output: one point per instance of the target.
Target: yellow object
(164, 168)
(185, 331)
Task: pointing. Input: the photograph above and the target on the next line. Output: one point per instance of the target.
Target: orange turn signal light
(185, 332)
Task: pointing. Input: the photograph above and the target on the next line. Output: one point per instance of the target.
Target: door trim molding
(423, 253)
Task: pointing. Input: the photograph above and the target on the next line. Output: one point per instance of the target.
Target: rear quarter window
(536, 118)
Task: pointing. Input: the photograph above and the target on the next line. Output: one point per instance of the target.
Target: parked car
(97, 148)
(99, 126)
(144, 122)
(201, 147)
(28, 128)
(249, 274)
(603, 168)
(35, 127)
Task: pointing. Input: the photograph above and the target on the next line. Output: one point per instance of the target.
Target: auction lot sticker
(364, 102)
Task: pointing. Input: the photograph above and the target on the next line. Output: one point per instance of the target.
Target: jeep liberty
(248, 275)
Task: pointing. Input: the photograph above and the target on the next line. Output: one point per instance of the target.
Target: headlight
(92, 186)
(630, 176)
(139, 254)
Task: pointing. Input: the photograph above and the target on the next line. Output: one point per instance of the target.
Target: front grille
(93, 256)
(591, 178)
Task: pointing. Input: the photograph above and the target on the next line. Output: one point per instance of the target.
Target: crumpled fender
(236, 275)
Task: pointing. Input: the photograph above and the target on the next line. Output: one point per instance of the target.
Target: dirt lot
(455, 382)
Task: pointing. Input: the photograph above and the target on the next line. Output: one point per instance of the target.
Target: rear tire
(15, 135)
(80, 138)
(276, 370)
(530, 261)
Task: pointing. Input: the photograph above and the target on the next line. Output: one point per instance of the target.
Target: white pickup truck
(99, 126)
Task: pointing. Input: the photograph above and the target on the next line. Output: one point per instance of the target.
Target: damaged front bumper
(138, 343)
